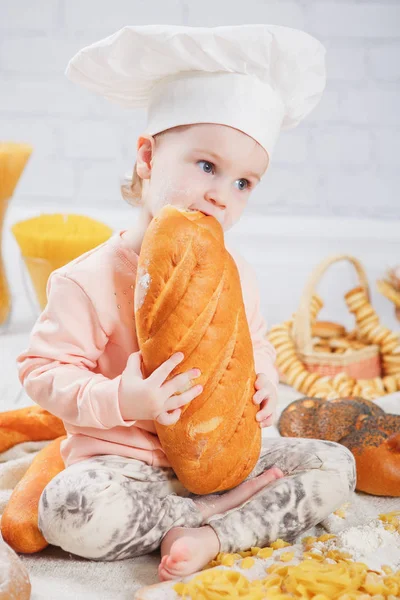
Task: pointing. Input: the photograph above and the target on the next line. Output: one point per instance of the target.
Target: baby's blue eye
(243, 184)
(208, 166)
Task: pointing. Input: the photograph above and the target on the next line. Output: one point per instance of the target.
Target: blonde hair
(132, 187)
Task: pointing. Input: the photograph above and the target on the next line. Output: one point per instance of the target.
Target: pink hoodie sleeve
(57, 368)
(264, 352)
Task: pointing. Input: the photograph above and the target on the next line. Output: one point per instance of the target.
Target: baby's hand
(267, 398)
(155, 398)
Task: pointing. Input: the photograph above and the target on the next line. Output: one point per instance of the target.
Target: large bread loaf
(28, 424)
(20, 520)
(188, 298)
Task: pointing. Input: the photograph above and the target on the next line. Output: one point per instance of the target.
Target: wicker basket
(357, 364)
(390, 287)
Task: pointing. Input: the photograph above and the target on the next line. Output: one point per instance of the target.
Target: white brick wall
(343, 160)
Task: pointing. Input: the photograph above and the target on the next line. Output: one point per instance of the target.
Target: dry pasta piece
(286, 556)
(273, 580)
(325, 537)
(387, 570)
(265, 553)
(374, 584)
(279, 544)
(247, 563)
(314, 556)
(277, 568)
(228, 560)
(309, 539)
(388, 517)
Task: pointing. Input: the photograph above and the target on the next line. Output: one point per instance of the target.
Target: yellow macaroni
(313, 578)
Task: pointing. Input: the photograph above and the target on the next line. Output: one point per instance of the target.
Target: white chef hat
(256, 78)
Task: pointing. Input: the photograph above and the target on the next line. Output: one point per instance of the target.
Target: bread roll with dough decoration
(194, 304)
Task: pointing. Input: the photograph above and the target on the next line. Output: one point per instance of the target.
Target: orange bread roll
(30, 424)
(188, 299)
(19, 523)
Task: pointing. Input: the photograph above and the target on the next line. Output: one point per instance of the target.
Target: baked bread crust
(19, 522)
(29, 424)
(193, 304)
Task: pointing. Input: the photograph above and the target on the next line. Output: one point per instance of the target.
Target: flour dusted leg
(111, 508)
(319, 477)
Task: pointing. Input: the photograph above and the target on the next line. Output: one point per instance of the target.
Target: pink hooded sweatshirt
(80, 345)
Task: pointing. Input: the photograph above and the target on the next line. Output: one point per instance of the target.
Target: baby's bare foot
(214, 505)
(187, 550)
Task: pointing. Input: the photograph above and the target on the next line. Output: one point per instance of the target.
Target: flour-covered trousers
(112, 508)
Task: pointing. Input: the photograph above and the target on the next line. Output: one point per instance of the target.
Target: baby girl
(217, 100)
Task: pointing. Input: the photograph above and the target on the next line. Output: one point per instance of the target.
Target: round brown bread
(387, 423)
(300, 418)
(14, 578)
(19, 523)
(336, 419)
(372, 435)
(367, 407)
(193, 304)
(377, 457)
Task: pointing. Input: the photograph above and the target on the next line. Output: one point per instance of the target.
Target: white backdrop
(342, 161)
(282, 249)
(333, 183)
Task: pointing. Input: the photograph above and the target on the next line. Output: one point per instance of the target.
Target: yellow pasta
(265, 553)
(228, 560)
(309, 579)
(314, 577)
(279, 544)
(286, 556)
(325, 537)
(340, 512)
(247, 563)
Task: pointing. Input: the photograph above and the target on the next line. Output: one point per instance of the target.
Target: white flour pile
(371, 544)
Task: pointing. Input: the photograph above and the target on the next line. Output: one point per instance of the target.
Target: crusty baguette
(188, 298)
(30, 424)
(14, 577)
(19, 523)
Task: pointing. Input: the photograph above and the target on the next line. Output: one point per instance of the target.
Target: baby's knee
(344, 462)
(78, 511)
